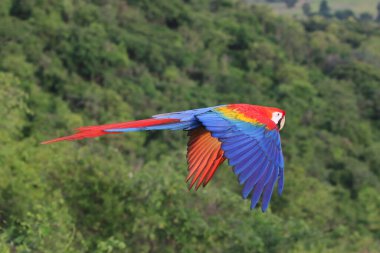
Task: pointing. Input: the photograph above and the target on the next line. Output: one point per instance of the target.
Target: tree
(324, 9)
(365, 16)
(378, 13)
(290, 3)
(306, 8)
(344, 14)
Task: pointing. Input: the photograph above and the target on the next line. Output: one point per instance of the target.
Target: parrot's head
(278, 117)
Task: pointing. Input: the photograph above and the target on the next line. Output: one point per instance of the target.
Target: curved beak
(281, 123)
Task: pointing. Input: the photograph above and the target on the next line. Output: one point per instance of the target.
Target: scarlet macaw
(247, 135)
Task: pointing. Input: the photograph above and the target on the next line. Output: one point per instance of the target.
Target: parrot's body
(246, 135)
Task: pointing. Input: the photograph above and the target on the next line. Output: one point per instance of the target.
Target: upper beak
(281, 123)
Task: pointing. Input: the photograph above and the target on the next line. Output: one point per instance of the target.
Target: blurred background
(69, 63)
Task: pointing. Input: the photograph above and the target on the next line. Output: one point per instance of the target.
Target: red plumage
(204, 155)
(95, 131)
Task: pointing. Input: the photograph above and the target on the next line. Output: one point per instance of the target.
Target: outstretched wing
(253, 147)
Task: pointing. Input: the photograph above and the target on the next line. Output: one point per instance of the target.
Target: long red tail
(95, 131)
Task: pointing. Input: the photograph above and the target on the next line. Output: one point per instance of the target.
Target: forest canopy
(65, 64)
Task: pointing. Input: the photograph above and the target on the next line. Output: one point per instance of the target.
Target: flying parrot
(247, 135)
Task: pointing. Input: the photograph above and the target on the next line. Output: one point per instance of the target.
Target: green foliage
(13, 107)
(324, 8)
(65, 64)
(306, 9)
(290, 3)
(364, 10)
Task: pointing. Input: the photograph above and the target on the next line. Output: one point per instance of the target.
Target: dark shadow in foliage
(344, 14)
(324, 9)
(22, 8)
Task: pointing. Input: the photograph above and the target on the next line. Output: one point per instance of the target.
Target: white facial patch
(276, 116)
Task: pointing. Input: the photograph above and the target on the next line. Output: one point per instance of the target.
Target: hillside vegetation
(65, 64)
(358, 7)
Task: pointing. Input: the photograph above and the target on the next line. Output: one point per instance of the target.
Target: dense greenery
(65, 64)
(364, 10)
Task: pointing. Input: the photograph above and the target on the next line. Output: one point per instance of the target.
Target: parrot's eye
(281, 123)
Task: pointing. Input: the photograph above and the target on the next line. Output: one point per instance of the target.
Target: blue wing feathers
(218, 123)
(271, 152)
(253, 181)
(257, 173)
(259, 187)
(243, 164)
(244, 157)
(253, 151)
(250, 184)
(229, 135)
(280, 181)
(235, 152)
(216, 129)
(184, 115)
(250, 164)
(258, 168)
(234, 140)
(264, 144)
(232, 146)
(268, 189)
